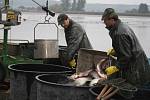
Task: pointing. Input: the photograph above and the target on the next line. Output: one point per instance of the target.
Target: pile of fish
(90, 77)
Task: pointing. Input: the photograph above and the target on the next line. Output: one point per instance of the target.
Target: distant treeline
(77, 6)
(65, 5)
(143, 8)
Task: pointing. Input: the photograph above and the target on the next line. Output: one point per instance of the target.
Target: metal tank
(22, 79)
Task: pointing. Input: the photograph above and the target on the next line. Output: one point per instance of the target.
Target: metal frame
(41, 24)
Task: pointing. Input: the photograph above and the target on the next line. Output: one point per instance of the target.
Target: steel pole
(5, 47)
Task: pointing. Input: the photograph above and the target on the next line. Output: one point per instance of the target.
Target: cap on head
(61, 18)
(109, 13)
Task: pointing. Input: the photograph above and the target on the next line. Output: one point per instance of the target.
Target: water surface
(95, 28)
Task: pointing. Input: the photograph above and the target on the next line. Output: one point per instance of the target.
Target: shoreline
(120, 14)
(97, 13)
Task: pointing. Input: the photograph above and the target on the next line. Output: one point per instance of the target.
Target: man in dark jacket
(131, 58)
(75, 35)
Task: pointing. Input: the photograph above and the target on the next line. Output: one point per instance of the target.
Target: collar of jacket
(70, 24)
(115, 26)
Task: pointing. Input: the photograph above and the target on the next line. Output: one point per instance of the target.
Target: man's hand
(111, 69)
(111, 52)
(72, 63)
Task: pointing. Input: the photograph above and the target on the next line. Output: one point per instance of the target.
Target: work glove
(72, 63)
(111, 69)
(111, 52)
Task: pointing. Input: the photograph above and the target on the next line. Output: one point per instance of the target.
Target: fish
(93, 76)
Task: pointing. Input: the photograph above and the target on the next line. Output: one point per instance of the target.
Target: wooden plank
(88, 59)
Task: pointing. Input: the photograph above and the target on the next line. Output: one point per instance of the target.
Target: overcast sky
(119, 1)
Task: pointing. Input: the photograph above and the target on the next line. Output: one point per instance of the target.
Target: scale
(8, 18)
(46, 48)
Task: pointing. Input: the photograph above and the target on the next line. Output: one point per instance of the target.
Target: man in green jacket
(131, 58)
(76, 37)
